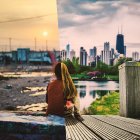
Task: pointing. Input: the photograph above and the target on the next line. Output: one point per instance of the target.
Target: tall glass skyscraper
(93, 52)
(83, 57)
(106, 54)
(120, 44)
(68, 51)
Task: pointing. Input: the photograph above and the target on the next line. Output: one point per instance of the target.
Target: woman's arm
(47, 94)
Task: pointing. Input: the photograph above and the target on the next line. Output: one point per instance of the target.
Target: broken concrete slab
(16, 126)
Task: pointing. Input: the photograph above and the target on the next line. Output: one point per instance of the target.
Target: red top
(55, 98)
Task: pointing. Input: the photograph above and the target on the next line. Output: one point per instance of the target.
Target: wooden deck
(96, 127)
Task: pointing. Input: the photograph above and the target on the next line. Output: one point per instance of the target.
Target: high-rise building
(124, 50)
(106, 46)
(63, 55)
(135, 56)
(112, 56)
(72, 54)
(112, 53)
(120, 44)
(93, 52)
(68, 51)
(92, 56)
(106, 54)
(83, 57)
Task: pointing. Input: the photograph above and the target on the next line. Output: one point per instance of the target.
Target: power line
(28, 18)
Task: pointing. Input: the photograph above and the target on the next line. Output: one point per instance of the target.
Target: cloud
(91, 11)
(87, 11)
(89, 22)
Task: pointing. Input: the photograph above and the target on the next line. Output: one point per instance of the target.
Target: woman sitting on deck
(62, 96)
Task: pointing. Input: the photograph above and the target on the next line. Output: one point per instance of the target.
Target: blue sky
(90, 23)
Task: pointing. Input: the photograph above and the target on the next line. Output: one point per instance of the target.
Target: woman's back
(55, 98)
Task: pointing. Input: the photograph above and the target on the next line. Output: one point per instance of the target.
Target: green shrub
(107, 105)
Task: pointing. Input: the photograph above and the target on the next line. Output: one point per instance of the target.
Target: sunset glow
(23, 20)
(45, 33)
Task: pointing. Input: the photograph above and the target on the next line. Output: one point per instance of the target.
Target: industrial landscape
(108, 56)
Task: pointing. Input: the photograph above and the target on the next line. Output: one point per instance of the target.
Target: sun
(45, 33)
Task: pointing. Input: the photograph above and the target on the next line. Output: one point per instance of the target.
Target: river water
(89, 91)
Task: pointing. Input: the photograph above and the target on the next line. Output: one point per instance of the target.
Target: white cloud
(90, 28)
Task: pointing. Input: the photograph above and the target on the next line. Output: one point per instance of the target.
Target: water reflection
(92, 93)
(89, 91)
(82, 93)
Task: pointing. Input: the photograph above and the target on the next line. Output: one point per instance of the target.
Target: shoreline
(95, 80)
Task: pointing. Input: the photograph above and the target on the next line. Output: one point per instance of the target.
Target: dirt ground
(24, 91)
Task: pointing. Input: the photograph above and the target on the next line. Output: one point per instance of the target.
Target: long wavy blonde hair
(69, 90)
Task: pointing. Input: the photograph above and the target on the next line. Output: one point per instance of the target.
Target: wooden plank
(75, 130)
(107, 131)
(129, 120)
(131, 128)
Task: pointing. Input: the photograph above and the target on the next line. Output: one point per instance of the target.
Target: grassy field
(113, 77)
(85, 76)
(107, 105)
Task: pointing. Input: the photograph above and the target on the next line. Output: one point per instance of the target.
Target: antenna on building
(46, 45)
(35, 43)
(10, 44)
(121, 29)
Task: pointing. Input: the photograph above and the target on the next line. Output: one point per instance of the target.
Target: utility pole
(46, 45)
(35, 43)
(10, 44)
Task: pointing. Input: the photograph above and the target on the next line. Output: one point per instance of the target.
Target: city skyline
(91, 23)
(25, 21)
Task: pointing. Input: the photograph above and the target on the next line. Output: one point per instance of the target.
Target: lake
(89, 91)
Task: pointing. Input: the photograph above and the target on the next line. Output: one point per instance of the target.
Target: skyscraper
(93, 52)
(63, 54)
(68, 51)
(112, 53)
(135, 56)
(120, 44)
(106, 54)
(106, 46)
(125, 50)
(92, 55)
(72, 54)
(83, 57)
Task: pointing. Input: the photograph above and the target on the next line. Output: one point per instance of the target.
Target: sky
(25, 20)
(90, 23)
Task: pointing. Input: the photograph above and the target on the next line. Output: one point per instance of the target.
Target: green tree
(102, 67)
(70, 66)
(75, 62)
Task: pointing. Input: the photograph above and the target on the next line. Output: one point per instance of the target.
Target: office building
(135, 56)
(92, 56)
(120, 44)
(72, 54)
(106, 54)
(124, 50)
(63, 55)
(83, 57)
(68, 51)
(93, 52)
